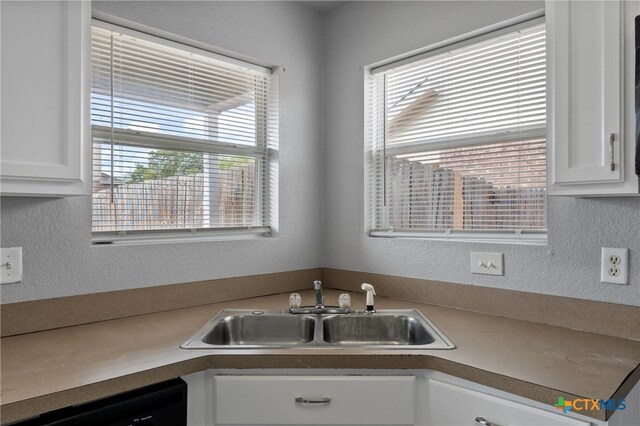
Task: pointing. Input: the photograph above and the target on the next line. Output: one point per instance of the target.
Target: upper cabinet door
(45, 97)
(588, 136)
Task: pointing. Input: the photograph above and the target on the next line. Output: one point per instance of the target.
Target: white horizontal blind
(457, 140)
(181, 139)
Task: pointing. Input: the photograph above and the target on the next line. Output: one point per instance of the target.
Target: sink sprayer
(370, 293)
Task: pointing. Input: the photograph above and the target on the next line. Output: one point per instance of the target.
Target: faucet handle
(344, 301)
(295, 300)
(317, 284)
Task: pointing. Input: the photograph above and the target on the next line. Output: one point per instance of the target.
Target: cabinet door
(45, 97)
(327, 400)
(452, 405)
(586, 133)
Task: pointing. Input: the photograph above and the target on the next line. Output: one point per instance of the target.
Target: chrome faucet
(317, 286)
(319, 307)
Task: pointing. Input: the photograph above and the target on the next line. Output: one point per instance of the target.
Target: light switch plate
(487, 263)
(10, 265)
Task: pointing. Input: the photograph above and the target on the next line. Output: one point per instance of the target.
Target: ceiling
(321, 7)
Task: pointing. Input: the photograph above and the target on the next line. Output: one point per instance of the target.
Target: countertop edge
(31, 407)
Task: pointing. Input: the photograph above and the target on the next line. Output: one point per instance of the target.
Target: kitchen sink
(375, 330)
(384, 329)
(241, 328)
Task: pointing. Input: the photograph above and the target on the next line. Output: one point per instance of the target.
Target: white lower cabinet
(310, 400)
(370, 397)
(453, 405)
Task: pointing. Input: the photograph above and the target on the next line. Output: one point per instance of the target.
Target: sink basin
(240, 328)
(402, 329)
(375, 330)
(385, 329)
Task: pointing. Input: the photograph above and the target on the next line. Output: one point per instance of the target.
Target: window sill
(110, 239)
(524, 238)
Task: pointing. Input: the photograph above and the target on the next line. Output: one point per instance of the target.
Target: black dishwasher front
(162, 404)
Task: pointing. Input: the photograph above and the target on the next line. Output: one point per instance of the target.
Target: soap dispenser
(370, 293)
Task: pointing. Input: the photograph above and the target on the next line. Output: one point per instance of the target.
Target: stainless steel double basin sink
(255, 329)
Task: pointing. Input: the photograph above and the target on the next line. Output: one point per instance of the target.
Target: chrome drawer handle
(483, 422)
(301, 400)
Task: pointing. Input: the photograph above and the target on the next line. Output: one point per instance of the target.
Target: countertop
(52, 369)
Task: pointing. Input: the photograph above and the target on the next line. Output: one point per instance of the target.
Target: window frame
(265, 149)
(372, 153)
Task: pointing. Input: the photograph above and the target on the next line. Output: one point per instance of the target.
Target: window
(456, 144)
(184, 140)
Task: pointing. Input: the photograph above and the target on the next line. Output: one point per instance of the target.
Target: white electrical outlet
(487, 263)
(614, 265)
(10, 265)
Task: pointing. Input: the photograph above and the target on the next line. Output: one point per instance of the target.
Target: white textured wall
(55, 233)
(361, 33)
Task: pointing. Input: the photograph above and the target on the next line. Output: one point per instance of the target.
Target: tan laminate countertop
(52, 369)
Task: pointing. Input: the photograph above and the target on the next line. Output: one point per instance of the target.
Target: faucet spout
(317, 286)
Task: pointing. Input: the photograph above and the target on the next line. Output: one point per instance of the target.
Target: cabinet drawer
(452, 405)
(268, 400)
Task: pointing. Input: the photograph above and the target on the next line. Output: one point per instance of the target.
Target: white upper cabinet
(591, 111)
(45, 98)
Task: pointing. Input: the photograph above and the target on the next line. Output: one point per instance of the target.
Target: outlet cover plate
(614, 265)
(487, 263)
(10, 265)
